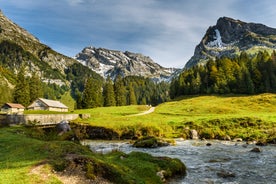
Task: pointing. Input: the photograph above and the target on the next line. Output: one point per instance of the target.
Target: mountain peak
(230, 37)
(223, 20)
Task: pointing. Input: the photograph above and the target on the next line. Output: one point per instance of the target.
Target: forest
(244, 74)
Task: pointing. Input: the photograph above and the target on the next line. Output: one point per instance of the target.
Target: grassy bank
(31, 156)
(247, 117)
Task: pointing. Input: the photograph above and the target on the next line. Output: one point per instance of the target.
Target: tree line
(244, 74)
(130, 90)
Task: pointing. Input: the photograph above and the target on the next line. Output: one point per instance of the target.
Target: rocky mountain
(230, 37)
(112, 63)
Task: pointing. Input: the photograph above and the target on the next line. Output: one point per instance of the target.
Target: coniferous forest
(245, 74)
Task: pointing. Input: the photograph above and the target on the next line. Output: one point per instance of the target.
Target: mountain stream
(222, 162)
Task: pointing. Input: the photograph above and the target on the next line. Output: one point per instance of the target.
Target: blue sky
(165, 30)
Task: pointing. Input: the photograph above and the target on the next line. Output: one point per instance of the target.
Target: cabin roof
(14, 105)
(53, 103)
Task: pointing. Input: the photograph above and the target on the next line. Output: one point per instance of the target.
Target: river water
(207, 164)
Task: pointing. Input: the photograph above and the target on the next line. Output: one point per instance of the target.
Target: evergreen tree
(108, 93)
(22, 91)
(35, 87)
(79, 104)
(120, 91)
(87, 96)
(92, 95)
(195, 84)
(132, 96)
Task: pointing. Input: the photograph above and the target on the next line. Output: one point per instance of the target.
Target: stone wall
(40, 119)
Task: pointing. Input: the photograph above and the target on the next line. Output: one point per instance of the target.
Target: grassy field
(29, 156)
(248, 117)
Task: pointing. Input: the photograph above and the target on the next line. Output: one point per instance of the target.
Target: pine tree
(78, 95)
(120, 91)
(195, 84)
(132, 96)
(22, 90)
(92, 94)
(35, 87)
(108, 93)
(87, 96)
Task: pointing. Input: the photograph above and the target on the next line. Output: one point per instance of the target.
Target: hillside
(13, 36)
(247, 117)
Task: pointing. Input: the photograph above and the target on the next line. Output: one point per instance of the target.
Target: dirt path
(151, 110)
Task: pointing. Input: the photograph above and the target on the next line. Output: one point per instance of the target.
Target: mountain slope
(25, 49)
(112, 63)
(229, 37)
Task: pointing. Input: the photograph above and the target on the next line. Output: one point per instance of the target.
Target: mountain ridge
(111, 63)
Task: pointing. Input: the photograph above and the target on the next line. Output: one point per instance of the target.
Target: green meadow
(247, 117)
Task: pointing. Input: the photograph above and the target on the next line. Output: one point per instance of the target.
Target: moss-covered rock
(150, 142)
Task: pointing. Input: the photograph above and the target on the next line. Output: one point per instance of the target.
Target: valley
(226, 92)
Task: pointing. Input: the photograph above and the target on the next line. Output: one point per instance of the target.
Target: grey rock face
(230, 37)
(112, 63)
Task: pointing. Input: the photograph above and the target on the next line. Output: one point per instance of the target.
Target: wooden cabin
(12, 108)
(48, 105)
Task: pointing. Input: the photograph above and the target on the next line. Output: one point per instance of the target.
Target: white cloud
(167, 31)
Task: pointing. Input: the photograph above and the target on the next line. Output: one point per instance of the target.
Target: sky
(165, 30)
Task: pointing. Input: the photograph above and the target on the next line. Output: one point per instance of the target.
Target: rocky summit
(112, 63)
(229, 37)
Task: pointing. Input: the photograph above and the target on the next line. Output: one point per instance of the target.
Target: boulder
(261, 143)
(63, 127)
(237, 140)
(256, 150)
(226, 174)
(194, 134)
(227, 138)
(208, 144)
(149, 142)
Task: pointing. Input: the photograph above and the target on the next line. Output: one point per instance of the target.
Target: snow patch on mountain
(217, 42)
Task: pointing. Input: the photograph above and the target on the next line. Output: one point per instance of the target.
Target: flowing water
(207, 164)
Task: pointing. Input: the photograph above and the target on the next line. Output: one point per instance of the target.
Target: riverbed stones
(227, 138)
(261, 143)
(208, 144)
(237, 140)
(256, 150)
(226, 174)
(194, 134)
